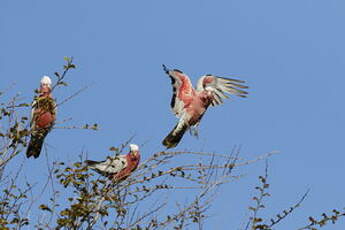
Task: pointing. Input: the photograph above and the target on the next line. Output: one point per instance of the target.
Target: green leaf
(113, 149)
(63, 83)
(45, 208)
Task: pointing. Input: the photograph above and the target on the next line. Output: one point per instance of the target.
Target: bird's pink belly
(44, 120)
(195, 111)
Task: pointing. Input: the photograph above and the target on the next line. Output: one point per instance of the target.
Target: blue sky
(291, 53)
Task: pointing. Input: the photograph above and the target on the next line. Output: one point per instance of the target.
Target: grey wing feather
(112, 165)
(32, 119)
(219, 86)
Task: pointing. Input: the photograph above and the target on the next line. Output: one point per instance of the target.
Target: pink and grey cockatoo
(190, 104)
(117, 168)
(43, 116)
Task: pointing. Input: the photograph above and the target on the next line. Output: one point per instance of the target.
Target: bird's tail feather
(35, 146)
(90, 163)
(175, 136)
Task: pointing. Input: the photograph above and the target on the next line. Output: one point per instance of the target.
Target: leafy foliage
(96, 198)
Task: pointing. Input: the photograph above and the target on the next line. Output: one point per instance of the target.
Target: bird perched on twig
(119, 167)
(43, 116)
(190, 104)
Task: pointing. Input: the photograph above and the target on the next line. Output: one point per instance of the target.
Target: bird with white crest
(43, 116)
(117, 168)
(190, 104)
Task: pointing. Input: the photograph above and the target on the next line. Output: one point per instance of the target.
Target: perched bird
(43, 116)
(117, 168)
(190, 104)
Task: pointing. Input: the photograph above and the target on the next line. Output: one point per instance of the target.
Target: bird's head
(134, 149)
(46, 85)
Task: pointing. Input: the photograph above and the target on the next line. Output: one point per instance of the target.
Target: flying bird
(190, 104)
(119, 167)
(43, 116)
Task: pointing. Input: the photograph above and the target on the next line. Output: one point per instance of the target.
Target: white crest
(46, 81)
(133, 147)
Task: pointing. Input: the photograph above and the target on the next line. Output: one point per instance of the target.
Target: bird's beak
(45, 88)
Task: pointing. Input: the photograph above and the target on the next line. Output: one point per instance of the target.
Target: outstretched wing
(219, 86)
(182, 90)
(110, 166)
